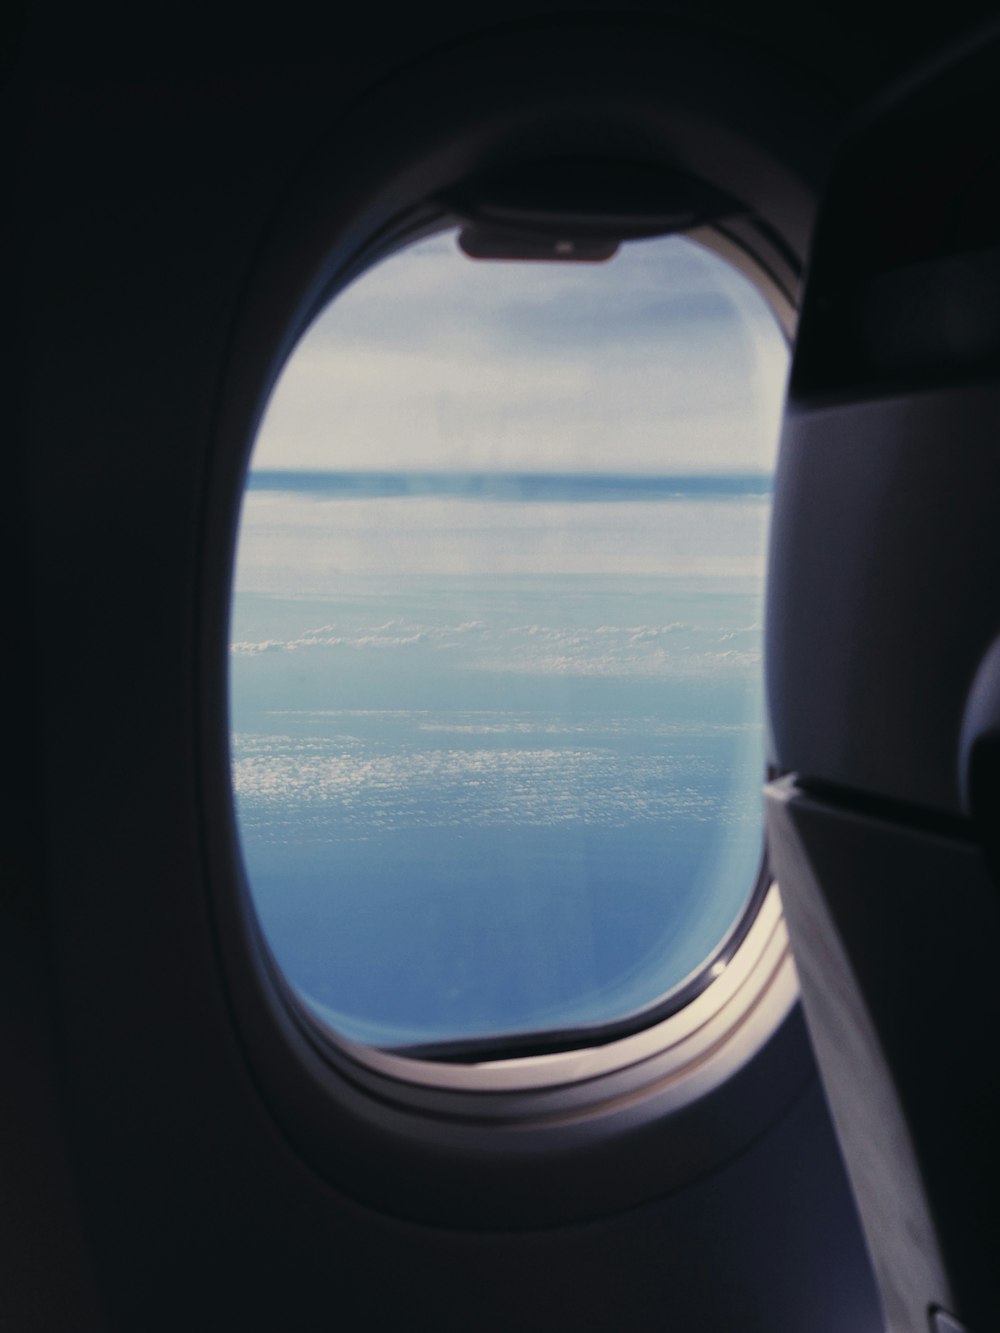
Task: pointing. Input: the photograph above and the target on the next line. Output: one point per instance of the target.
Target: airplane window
(496, 641)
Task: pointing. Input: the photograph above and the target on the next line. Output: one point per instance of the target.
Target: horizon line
(506, 484)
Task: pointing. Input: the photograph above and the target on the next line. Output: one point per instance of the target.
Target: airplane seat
(883, 683)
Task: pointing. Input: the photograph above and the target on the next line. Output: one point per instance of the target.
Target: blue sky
(662, 360)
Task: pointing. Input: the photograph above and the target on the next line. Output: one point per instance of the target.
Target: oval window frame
(502, 1143)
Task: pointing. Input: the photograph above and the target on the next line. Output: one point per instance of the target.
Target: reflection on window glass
(495, 664)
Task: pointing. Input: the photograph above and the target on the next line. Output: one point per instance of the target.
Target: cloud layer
(676, 649)
(664, 359)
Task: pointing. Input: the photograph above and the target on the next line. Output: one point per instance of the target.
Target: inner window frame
(422, 1063)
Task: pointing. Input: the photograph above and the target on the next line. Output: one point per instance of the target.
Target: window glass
(495, 662)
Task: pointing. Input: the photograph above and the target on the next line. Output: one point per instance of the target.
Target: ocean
(497, 743)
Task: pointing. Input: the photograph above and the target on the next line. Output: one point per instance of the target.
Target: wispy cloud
(672, 649)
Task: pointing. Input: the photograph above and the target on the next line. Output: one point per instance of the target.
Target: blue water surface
(480, 799)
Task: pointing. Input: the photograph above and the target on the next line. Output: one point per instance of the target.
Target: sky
(663, 360)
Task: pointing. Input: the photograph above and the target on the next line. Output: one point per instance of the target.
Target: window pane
(495, 670)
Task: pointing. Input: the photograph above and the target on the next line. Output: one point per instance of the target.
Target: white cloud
(296, 544)
(673, 651)
(663, 360)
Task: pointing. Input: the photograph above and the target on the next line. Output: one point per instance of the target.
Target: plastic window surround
(419, 1138)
